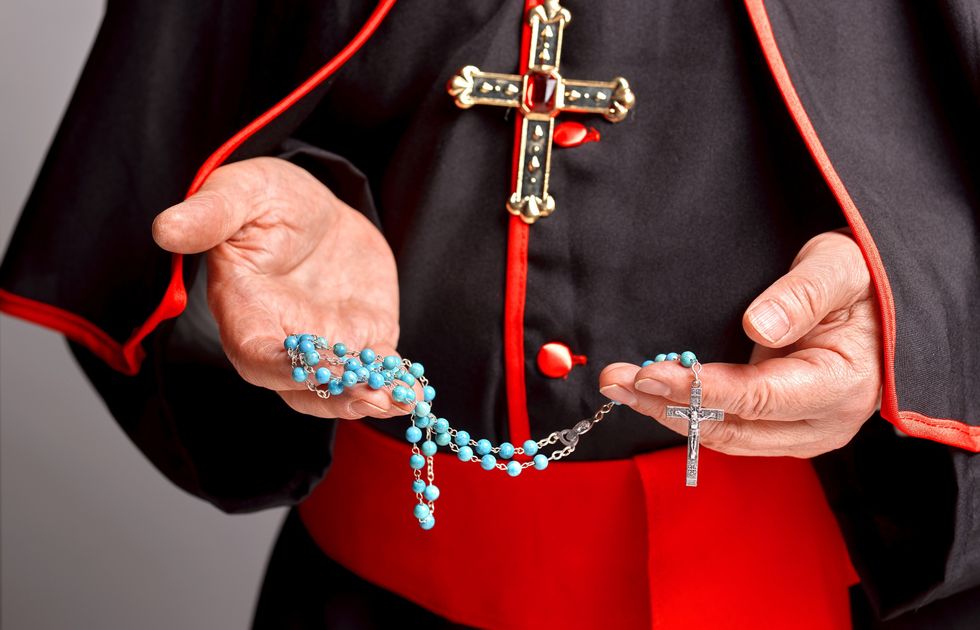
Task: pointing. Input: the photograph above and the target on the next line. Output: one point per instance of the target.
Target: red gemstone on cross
(541, 92)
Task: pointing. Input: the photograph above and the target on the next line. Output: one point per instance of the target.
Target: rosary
(427, 432)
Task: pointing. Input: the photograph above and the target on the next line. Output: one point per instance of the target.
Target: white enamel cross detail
(694, 415)
(540, 94)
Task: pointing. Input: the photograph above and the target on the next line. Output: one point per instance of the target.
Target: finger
(233, 196)
(733, 435)
(829, 274)
(794, 387)
(350, 405)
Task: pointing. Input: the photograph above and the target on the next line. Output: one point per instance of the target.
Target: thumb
(214, 213)
(829, 274)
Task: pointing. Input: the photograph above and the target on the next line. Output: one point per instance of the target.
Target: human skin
(813, 379)
(280, 247)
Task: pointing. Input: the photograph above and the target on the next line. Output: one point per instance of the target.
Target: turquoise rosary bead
(413, 434)
(322, 375)
(465, 453)
(399, 393)
(418, 486)
(349, 379)
(530, 448)
(291, 342)
(443, 439)
(428, 523)
(540, 462)
(429, 448)
(431, 493)
(462, 438)
(513, 468)
(506, 450)
(483, 447)
(299, 374)
(488, 462)
(421, 511)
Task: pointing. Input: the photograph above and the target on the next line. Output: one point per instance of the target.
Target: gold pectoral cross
(540, 94)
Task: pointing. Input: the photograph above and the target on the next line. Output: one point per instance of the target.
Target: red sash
(612, 544)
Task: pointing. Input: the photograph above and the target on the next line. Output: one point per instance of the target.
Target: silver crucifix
(694, 415)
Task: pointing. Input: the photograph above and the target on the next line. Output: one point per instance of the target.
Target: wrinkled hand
(285, 255)
(815, 373)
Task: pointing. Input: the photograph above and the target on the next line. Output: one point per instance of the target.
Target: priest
(786, 189)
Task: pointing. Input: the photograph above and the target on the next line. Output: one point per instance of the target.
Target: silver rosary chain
(569, 438)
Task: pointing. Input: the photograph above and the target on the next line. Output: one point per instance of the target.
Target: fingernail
(364, 408)
(652, 386)
(618, 394)
(770, 320)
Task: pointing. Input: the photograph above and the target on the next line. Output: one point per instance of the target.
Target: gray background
(91, 536)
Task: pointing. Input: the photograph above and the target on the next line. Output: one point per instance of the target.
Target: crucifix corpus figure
(694, 415)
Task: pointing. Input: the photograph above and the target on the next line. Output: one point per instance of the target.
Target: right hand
(285, 255)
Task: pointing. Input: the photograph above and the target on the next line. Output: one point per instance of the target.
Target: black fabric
(892, 90)
(665, 230)
(306, 590)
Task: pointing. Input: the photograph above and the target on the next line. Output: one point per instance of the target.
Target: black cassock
(665, 230)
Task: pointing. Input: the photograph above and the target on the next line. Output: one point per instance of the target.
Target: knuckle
(755, 402)
(807, 295)
(721, 435)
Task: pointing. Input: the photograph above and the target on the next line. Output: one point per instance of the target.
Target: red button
(572, 134)
(556, 360)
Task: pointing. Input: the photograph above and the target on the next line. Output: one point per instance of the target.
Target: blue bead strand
(406, 383)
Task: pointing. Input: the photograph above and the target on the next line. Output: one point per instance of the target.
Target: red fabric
(947, 431)
(128, 356)
(612, 544)
(516, 283)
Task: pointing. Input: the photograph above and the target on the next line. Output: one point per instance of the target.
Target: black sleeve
(216, 436)
(164, 86)
(892, 91)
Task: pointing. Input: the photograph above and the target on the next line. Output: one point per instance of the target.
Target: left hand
(815, 373)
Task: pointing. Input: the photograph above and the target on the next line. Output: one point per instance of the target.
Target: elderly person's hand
(285, 255)
(815, 373)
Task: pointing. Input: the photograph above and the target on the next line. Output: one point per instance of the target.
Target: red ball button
(556, 360)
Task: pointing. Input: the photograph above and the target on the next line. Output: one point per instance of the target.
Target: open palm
(285, 255)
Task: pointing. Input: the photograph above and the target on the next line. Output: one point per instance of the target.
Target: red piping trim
(518, 235)
(128, 357)
(944, 430)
